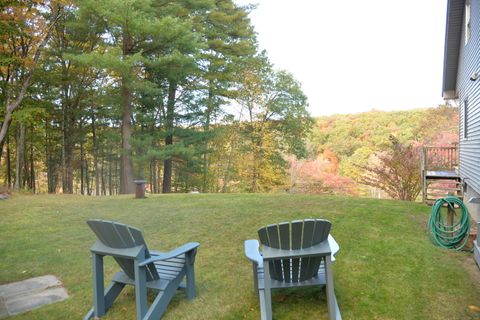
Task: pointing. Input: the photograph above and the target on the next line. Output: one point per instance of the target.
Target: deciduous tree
(396, 171)
(25, 29)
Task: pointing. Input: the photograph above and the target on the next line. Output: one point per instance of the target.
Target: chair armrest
(333, 246)
(171, 254)
(252, 252)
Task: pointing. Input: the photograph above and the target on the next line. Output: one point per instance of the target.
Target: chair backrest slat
(98, 229)
(322, 229)
(262, 234)
(125, 235)
(297, 230)
(120, 236)
(284, 232)
(308, 228)
(294, 236)
(276, 268)
(272, 232)
(297, 234)
(137, 236)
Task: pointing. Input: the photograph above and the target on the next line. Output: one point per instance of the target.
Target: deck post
(450, 215)
(422, 172)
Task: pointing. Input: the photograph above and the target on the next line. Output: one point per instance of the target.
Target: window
(468, 27)
(465, 119)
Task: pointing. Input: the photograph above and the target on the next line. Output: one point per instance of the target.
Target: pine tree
(230, 38)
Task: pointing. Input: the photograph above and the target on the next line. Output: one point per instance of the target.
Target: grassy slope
(386, 268)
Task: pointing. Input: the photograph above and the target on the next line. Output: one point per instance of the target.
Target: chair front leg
(98, 287)
(267, 312)
(140, 289)
(331, 299)
(255, 277)
(190, 265)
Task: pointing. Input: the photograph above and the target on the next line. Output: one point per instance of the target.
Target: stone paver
(3, 309)
(22, 296)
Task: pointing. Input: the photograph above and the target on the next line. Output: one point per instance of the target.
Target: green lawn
(386, 267)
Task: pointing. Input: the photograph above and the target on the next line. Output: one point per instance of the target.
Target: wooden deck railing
(439, 158)
(438, 178)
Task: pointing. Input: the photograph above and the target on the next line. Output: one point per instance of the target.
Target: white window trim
(468, 20)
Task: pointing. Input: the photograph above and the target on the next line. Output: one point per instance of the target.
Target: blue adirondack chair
(294, 254)
(161, 271)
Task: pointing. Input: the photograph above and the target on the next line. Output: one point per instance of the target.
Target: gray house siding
(469, 94)
(466, 87)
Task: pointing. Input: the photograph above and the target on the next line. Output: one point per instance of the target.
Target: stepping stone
(26, 295)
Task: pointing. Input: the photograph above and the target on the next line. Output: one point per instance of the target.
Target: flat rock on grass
(22, 296)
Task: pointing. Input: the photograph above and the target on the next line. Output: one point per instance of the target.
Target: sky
(353, 56)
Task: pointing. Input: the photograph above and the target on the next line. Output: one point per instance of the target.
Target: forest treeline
(97, 93)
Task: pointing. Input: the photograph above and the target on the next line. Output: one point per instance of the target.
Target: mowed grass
(386, 267)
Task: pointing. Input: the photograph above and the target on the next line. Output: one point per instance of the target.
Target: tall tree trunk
(95, 156)
(7, 125)
(82, 156)
(48, 156)
(8, 174)
(159, 174)
(110, 190)
(117, 175)
(167, 163)
(206, 129)
(126, 165)
(254, 168)
(102, 175)
(150, 175)
(32, 163)
(26, 167)
(67, 147)
(87, 179)
(153, 176)
(82, 168)
(20, 159)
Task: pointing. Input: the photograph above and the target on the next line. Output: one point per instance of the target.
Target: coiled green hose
(445, 236)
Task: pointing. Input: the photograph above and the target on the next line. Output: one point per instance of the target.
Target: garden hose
(446, 236)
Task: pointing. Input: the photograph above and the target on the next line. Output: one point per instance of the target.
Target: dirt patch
(469, 265)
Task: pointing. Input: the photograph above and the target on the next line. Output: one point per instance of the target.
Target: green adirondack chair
(294, 254)
(161, 271)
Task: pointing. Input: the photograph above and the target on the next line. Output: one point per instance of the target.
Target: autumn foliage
(318, 176)
(396, 171)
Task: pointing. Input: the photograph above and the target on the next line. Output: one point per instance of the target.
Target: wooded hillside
(341, 145)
